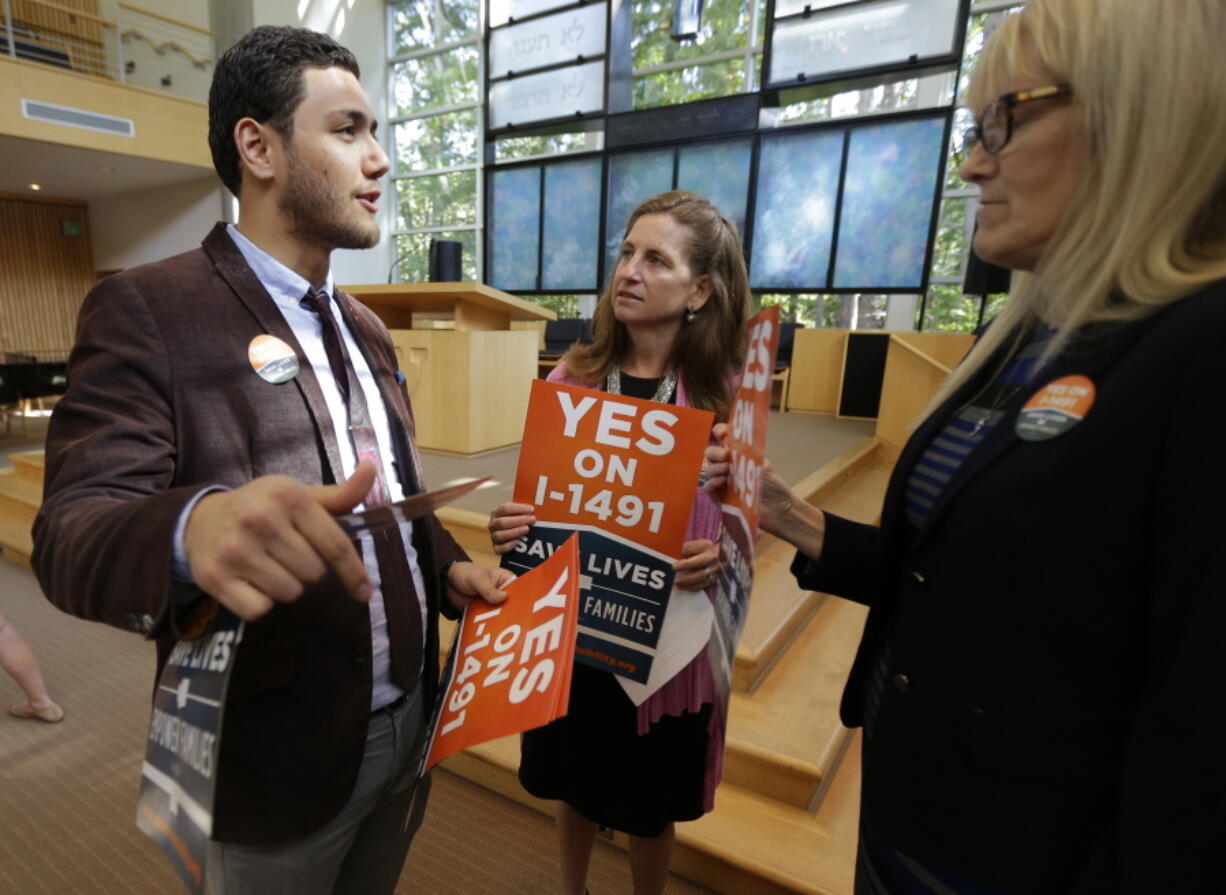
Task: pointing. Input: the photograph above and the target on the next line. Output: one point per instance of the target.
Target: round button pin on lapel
(1055, 408)
(272, 359)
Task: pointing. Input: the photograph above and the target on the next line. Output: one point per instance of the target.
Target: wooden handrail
(68, 10)
(927, 358)
(157, 15)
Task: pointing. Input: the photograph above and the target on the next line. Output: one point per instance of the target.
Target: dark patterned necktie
(400, 600)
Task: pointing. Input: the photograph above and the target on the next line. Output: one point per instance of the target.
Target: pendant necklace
(664, 391)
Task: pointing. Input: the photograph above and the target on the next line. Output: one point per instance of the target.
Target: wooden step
(749, 845)
(29, 465)
(862, 498)
(778, 607)
(785, 737)
(19, 498)
(15, 542)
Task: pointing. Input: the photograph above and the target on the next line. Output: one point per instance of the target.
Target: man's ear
(258, 147)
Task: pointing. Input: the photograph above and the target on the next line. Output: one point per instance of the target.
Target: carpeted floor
(68, 791)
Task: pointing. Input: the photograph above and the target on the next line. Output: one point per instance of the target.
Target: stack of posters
(622, 473)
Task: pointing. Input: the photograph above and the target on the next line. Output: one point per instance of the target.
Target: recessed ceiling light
(36, 186)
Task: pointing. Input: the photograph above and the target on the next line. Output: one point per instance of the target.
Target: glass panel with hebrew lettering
(571, 232)
(633, 177)
(548, 40)
(873, 34)
(888, 195)
(720, 173)
(793, 222)
(575, 90)
(515, 232)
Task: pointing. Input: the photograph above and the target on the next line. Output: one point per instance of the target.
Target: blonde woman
(669, 327)
(1039, 678)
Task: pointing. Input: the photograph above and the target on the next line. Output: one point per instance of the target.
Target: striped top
(942, 459)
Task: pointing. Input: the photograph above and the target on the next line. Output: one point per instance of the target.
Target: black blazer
(162, 401)
(1051, 719)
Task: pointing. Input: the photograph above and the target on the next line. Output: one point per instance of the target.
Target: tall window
(436, 77)
(723, 59)
(946, 309)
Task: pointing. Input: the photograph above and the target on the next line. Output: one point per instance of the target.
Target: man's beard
(315, 211)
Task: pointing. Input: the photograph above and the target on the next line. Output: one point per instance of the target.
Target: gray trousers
(362, 849)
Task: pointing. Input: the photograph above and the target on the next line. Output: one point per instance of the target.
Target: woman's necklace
(664, 391)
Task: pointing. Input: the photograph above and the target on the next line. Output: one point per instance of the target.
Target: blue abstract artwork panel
(888, 197)
(571, 233)
(793, 223)
(719, 172)
(515, 234)
(633, 177)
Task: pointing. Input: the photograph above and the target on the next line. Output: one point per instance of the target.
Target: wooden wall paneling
(912, 377)
(947, 349)
(469, 389)
(817, 364)
(46, 275)
(168, 128)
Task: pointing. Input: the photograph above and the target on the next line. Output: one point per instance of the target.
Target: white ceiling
(69, 172)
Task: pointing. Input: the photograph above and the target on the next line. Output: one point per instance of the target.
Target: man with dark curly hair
(223, 406)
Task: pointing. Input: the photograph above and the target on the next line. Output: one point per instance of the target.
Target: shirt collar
(284, 285)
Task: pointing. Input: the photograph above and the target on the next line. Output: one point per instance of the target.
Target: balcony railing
(111, 40)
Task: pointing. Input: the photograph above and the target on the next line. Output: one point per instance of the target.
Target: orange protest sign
(746, 442)
(750, 411)
(623, 465)
(510, 666)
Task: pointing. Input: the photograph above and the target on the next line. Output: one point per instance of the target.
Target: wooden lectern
(468, 372)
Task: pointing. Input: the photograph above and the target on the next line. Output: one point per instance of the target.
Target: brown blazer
(162, 401)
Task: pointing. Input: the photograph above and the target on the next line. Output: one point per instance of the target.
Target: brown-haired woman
(669, 327)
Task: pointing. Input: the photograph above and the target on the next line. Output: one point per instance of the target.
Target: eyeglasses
(995, 128)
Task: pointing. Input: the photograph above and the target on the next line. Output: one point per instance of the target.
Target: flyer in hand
(621, 472)
(510, 665)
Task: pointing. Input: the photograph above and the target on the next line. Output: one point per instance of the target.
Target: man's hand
(261, 544)
(469, 580)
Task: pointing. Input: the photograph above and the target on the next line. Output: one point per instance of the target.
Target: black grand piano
(24, 379)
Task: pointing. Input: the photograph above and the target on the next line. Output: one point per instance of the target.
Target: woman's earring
(690, 315)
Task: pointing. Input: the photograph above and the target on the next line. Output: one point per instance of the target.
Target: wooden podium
(468, 372)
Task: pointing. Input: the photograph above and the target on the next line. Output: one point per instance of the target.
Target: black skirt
(594, 760)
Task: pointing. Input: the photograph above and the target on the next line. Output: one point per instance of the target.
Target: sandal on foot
(52, 714)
